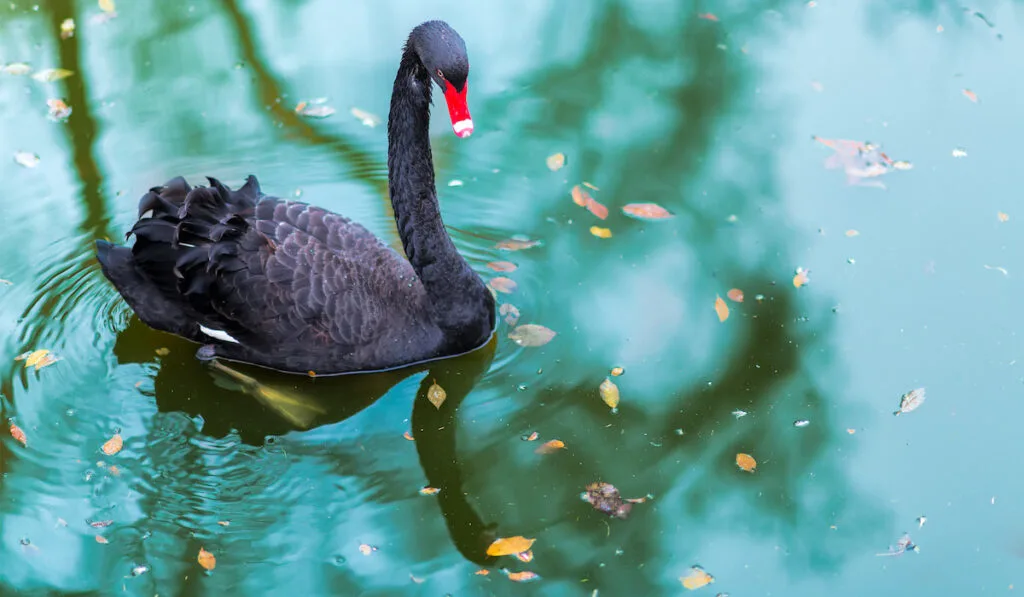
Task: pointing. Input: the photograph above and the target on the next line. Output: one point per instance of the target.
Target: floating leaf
(801, 278)
(600, 232)
(579, 196)
(162, 351)
(206, 559)
(107, 6)
(556, 161)
(408, 436)
(910, 401)
(368, 119)
(19, 435)
(524, 576)
(101, 540)
(31, 358)
(430, 491)
(1003, 217)
(851, 430)
(48, 75)
(739, 414)
(510, 312)
(746, 462)
(902, 165)
(801, 423)
(507, 546)
(316, 108)
(721, 309)
(609, 393)
(67, 28)
(503, 266)
(525, 556)
(604, 497)
(646, 211)
(224, 523)
(617, 371)
(436, 395)
(16, 68)
(531, 335)
(597, 209)
(852, 233)
(366, 549)
(531, 438)
(735, 295)
(26, 159)
(482, 572)
(550, 447)
(707, 16)
(959, 152)
(503, 284)
(517, 244)
(113, 445)
(590, 186)
(971, 95)
(59, 110)
(100, 524)
(696, 578)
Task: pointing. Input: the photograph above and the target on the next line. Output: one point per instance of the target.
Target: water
(649, 101)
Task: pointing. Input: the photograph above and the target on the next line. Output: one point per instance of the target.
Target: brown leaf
(206, 559)
(531, 335)
(516, 244)
(604, 497)
(550, 447)
(503, 284)
(600, 232)
(646, 211)
(19, 435)
(523, 576)
(735, 295)
(579, 196)
(507, 546)
(721, 309)
(609, 393)
(502, 266)
(113, 445)
(746, 462)
(555, 161)
(436, 395)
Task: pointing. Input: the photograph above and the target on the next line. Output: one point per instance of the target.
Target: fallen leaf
(206, 559)
(524, 576)
(1003, 217)
(113, 445)
(430, 491)
(609, 393)
(746, 462)
(721, 309)
(502, 266)
(579, 196)
(224, 523)
(107, 6)
(910, 401)
(47, 360)
(18, 434)
(100, 524)
(67, 28)
(597, 209)
(801, 278)
(735, 295)
(556, 161)
(503, 284)
(604, 497)
(707, 16)
(317, 108)
(101, 540)
(59, 111)
(16, 68)
(851, 430)
(48, 75)
(507, 546)
(482, 572)
(163, 351)
(696, 578)
(590, 186)
(646, 211)
(852, 233)
(902, 165)
(26, 159)
(550, 447)
(971, 95)
(408, 436)
(525, 556)
(600, 232)
(510, 312)
(517, 244)
(366, 549)
(114, 470)
(531, 335)
(368, 119)
(617, 371)
(436, 395)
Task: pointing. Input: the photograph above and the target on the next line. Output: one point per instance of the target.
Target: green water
(712, 119)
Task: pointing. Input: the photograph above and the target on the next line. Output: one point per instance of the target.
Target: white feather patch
(148, 214)
(217, 334)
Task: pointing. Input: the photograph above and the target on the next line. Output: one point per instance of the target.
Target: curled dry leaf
(19, 435)
(721, 309)
(502, 266)
(735, 295)
(646, 211)
(531, 335)
(524, 576)
(556, 161)
(503, 284)
(600, 232)
(436, 395)
(113, 445)
(408, 436)
(746, 462)
(510, 312)
(507, 546)
(430, 491)
(206, 559)
(910, 401)
(696, 578)
(550, 446)
(609, 393)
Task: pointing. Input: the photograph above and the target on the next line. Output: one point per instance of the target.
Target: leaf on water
(801, 278)
(508, 546)
(26, 159)
(525, 556)
(503, 266)
(971, 95)
(524, 576)
(852, 233)
(503, 284)
(801, 423)
(368, 119)
(113, 445)
(707, 16)
(482, 572)
(206, 559)
(735, 295)
(851, 430)
(590, 186)
(604, 497)
(721, 309)
(617, 371)
(579, 196)
(531, 438)
(746, 462)
(517, 244)
(436, 395)
(32, 357)
(316, 108)
(646, 211)
(59, 111)
(107, 6)
(555, 161)
(101, 540)
(531, 335)
(609, 393)
(224, 523)
(597, 209)
(600, 232)
(162, 351)
(910, 401)
(408, 436)
(67, 28)
(550, 447)
(16, 68)
(510, 312)
(430, 491)
(902, 165)
(366, 549)
(1003, 217)
(696, 578)
(48, 75)
(19, 435)
(959, 152)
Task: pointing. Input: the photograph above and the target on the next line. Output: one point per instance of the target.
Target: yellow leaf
(48, 75)
(617, 371)
(430, 491)
(550, 446)
(162, 351)
(206, 559)
(35, 356)
(746, 462)
(113, 445)
(107, 6)
(556, 161)
(436, 395)
(609, 393)
(600, 232)
(482, 572)
(508, 546)
(408, 436)
(721, 309)
(697, 578)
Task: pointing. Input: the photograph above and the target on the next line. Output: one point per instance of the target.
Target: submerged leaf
(910, 401)
(696, 578)
(206, 559)
(531, 335)
(507, 546)
(721, 309)
(597, 209)
(517, 244)
(746, 462)
(510, 312)
(503, 284)
(556, 161)
(436, 395)
(579, 196)
(550, 446)
(646, 211)
(609, 393)
(113, 445)
(502, 266)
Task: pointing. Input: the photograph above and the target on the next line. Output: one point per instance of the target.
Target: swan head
(443, 54)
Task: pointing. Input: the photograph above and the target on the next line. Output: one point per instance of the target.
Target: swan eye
(440, 74)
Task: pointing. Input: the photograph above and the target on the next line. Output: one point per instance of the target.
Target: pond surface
(871, 144)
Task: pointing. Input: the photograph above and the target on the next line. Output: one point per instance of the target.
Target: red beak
(458, 110)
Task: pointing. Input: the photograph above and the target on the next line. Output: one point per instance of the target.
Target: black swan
(292, 287)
